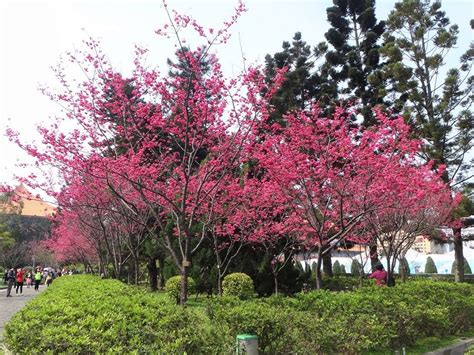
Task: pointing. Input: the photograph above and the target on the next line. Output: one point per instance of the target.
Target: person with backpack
(38, 277)
(380, 275)
(10, 281)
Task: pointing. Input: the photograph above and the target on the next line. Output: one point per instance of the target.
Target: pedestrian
(28, 279)
(20, 277)
(38, 278)
(10, 281)
(380, 275)
(49, 279)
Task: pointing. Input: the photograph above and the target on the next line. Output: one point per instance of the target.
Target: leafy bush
(356, 268)
(467, 268)
(86, 315)
(370, 319)
(173, 287)
(336, 268)
(83, 314)
(403, 267)
(239, 285)
(430, 267)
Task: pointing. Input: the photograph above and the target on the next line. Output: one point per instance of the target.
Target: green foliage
(239, 285)
(404, 268)
(356, 268)
(371, 319)
(343, 269)
(336, 268)
(173, 286)
(436, 99)
(344, 282)
(84, 314)
(87, 315)
(430, 267)
(302, 82)
(353, 62)
(467, 268)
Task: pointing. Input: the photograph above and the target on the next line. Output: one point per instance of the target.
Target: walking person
(38, 278)
(49, 279)
(20, 277)
(10, 281)
(28, 278)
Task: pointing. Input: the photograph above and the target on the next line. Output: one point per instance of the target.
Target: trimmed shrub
(356, 268)
(467, 268)
(239, 285)
(371, 319)
(336, 268)
(173, 287)
(343, 269)
(430, 267)
(86, 315)
(403, 267)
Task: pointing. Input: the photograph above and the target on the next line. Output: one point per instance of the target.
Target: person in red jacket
(20, 276)
(380, 275)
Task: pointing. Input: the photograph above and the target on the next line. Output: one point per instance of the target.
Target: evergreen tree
(343, 269)
(466, 267)
(404, 268)
(303, 83)
(436, 101)
(336, 268)
(430, 267)
(353, 63)
(418, 38)
(356, 268)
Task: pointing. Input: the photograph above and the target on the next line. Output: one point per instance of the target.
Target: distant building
(23, 202)
(26, 214)
(425, 245)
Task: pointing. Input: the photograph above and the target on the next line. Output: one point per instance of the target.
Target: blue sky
(33, 34)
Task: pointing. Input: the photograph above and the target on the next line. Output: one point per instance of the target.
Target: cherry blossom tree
(333, 173)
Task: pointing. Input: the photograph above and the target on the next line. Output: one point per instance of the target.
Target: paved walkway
(11, 305)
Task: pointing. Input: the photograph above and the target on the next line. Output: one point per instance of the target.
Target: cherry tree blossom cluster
(191, 155)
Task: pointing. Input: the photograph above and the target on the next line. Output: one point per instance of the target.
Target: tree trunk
(458, 256)
(136, 270)
(374, 256)
(327, 264)
(153, 274)
(275, 281)
(403, 271)
(161, 276)
(319, 281)
(219, 283)
(184, 285)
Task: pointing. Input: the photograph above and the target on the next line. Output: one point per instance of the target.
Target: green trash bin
(246, 344)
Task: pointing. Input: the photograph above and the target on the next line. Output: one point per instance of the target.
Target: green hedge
(370, 319)
(83, 314)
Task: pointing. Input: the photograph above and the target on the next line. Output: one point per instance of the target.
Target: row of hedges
(368, 319)
(83, 314)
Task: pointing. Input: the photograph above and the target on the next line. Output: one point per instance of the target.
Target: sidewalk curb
(454, 349)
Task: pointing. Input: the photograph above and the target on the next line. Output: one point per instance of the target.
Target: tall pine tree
(436, 101)
(304, 81)
(354, 64)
